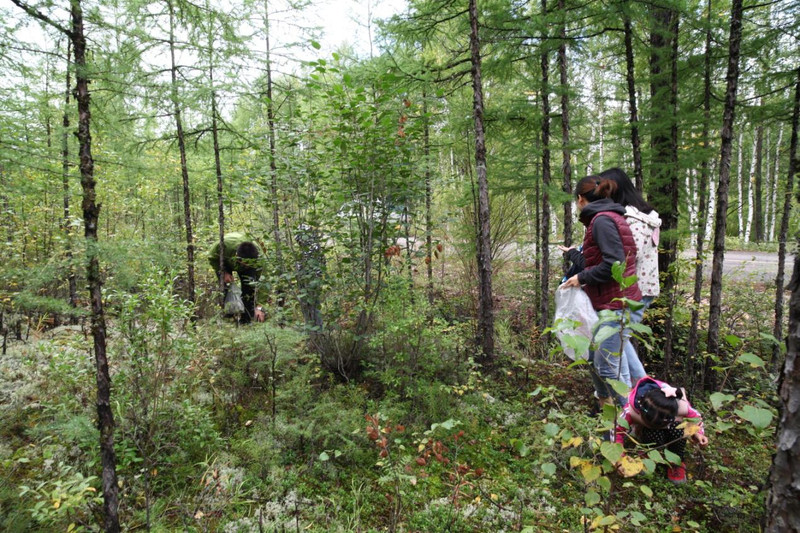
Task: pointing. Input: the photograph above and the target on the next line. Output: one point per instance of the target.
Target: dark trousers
(248, 296)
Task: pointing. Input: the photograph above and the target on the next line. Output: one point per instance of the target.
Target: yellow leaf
(574, 442)
(477, 499)
(630, 466)
(56, 504)
(689, 428)
(576, 461)
(590, 472)
(493, 497)
(420, 447)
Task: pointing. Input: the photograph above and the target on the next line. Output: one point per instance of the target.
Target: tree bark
(728, 118)
(777, 329)
(91, 215)
(783, 497)
(218, 169)
(544, 302)
(758, 208)
(663, 92)
(566, 163)
(634, 112)
(426, 146)
(66, 227)
(187, 199)
(485, 303)
(702, 209)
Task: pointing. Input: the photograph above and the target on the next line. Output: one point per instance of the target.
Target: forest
(407, 200)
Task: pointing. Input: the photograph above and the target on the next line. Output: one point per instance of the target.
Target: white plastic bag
(574, 304)
(233, 300)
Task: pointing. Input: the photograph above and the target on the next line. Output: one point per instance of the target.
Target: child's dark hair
(595, 188)
(626, 193)
(248, 253)
(656, 409)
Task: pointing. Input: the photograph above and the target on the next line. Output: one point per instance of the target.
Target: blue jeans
(613, 358)
(635, 367)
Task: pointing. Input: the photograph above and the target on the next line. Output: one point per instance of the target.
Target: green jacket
(231, 242)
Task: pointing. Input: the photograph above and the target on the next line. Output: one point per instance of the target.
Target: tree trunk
(218, 169)
(740, 187)
(634, 112)
(758, 208)
(273, 169)
(566, 163)
(663, 92)
(702, 209)
(91, 214)
(426, 141)
(783, 498)
(66, 228)
(728, 118)
(777, 330)
(486, 304)
(776, 173)
(544, 303)
(187, 206)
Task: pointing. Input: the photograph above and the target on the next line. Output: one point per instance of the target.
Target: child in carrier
(653, 413)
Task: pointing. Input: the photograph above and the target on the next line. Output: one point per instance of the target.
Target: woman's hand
(702, 440)
(564, 249)
(572, 282)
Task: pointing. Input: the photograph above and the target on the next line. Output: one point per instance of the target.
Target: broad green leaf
(324, 456)
(604, 483)
(760, 418)
(733, 340)
(606, 332)
(551, 429)
(549, 469)
(611, 451)
(718, 399)
(752, 359)
(647, 491)
(590, 472)
(591, 498)
(672, 457)
(316, 45)
(619, 387)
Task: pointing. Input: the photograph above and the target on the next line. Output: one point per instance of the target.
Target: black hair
(594, 188)
(626, 193)
(658, 411)
(247, 253)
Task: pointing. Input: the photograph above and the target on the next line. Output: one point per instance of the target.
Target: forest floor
(512, 450)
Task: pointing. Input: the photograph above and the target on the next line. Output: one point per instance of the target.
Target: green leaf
(604, 483)
(647, 491)
(591, 498)
(316, 45)
(551, 429)
(760, 418)
(718, 399)
(606, 332)
(549, 469)
(324, 456)
(733, 340)
(673, 458)
(619, 387)
(611, 451)
(752, 359)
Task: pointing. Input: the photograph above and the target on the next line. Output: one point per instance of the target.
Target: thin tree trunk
(486, 304)
(218, 169)
(273, 169)
(728, 118)
(783, 497)
(777, 329)
(566, 163)
(544, 304)
(702, 209)
(634, 112)
(776, 183)
(426, 141)
(740, 187)
(187, 206)
(758, 208)
(748, 226)
(66, 227)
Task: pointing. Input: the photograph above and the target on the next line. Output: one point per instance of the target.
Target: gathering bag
(572, 303)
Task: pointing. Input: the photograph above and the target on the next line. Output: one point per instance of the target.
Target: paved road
(758, 266)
